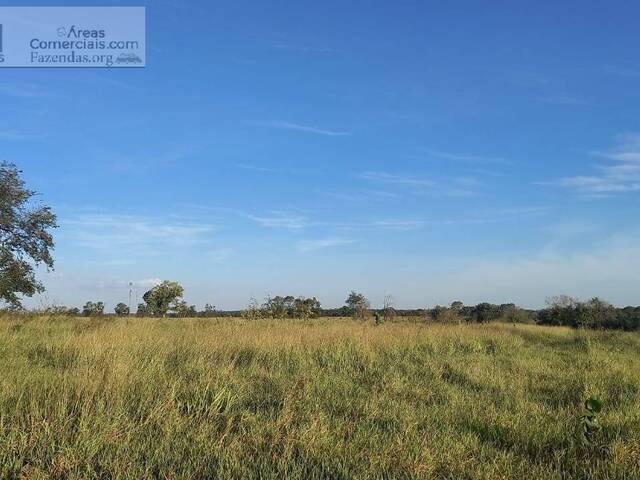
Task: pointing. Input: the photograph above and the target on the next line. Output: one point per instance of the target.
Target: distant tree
(209, 310)
(597, 313)
(161, 297)
(561, 310)
(143, 310)
(121, 310)
(279, 307)
(357, 304)
(457, 306)
(306, 307)
(437, 312)
(485, 312)
(253, 310)
(180, 308)
(58, 310)
(25, 241)
(388, 312)
(93, 309)
(511, 313)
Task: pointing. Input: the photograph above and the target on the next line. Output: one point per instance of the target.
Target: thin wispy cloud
(280, 220)
(287, 47)
(362, 196)
(133, 161)
(400, 224)
(465, 158)
(275, 170)
(396, 179)
(418, 185)
(623, 71)
(322, 243)
(122, 235)
(23, 90)
(14, 135)
(620, 176)
(479, 218)
(297, 127)
(256, 168)
(566, 100)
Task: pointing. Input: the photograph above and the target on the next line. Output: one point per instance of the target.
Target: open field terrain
(329, 398)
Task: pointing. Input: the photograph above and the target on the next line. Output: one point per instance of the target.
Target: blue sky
(435, 151)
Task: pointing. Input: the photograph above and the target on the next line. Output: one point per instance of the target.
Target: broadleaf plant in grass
(590, 426)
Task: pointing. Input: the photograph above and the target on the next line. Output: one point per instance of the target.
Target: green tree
(457, 306)
(161, 297)
(253, 310)
(597, 313)
(209, 310)
(121, 310)
(357, 304)
(143, 310)
(180, 308)
(25, 241)
(485, 312)
(93, 309)
(306, 307)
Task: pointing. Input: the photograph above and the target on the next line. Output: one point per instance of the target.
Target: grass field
(329, 398)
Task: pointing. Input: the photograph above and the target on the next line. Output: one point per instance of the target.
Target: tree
(388, 311)
(25, 241)
(253, 310)
(306, 307)
(209, 310)
(597, 313)
(279, 307)
(511, 313)
(438, 312)
(121, 310)
(142, 311)
(561, 310)
(485, 312)
(180, 308)
(457, 306)
(160, 298)
(92, 309)
(357, 304)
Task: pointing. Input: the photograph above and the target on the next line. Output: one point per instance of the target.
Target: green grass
(329, 398)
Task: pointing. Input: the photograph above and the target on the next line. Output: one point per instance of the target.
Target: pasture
(328, 398)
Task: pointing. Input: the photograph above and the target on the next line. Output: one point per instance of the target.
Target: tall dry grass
(329, 398)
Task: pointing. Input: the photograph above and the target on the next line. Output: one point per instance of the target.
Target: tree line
(165, 300)
(26, 243)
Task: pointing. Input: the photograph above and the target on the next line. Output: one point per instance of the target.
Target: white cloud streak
(620, 176)
(305, 129)
(474, 159)
(396, 179)
(133, 235)
(280, 220)
(322, 243)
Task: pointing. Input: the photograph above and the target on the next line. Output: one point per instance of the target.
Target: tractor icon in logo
(130, 58)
